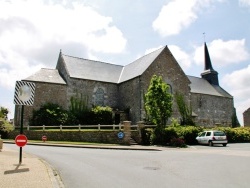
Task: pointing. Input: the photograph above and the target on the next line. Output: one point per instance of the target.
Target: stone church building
(123, 87)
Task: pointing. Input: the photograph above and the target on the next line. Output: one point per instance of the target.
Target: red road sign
(21, 140)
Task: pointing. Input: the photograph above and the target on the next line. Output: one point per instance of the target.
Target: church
(123, 87)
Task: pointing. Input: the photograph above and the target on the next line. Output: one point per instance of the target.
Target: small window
(208, 134)
(219, 134)
(202, 134)
(170, 89)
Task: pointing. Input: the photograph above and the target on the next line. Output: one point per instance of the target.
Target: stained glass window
(99, 97)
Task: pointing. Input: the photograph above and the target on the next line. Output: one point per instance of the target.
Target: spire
(209, 73)
(208, 64)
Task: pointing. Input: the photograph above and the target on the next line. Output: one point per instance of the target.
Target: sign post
(24, 95)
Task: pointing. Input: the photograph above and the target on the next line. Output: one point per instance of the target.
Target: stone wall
(108, 137)
(88, 88)
(44, 93)
(246, 118)
(212, 110)
(166, 66)
(129, 98)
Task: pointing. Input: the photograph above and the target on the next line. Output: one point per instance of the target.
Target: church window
(99, 97)
(170, 89)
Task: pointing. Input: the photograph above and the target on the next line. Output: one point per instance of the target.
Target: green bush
(161, 136)
(146, 135)
(49, 114)
(178, 142)
(170, 133)
(188, 133)
(5, 127)
(236, 135)
(100, 115)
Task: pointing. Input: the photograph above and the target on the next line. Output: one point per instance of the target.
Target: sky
(32, 33)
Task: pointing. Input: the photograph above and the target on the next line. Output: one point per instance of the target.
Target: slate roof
(139, 66)
(202, 86)
(92, 70)
(106, 72)
(46, 75)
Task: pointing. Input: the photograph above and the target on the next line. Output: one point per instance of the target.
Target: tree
(184, 109)
(235, 122)
(158, 101)
(4, 112)
(5, 125)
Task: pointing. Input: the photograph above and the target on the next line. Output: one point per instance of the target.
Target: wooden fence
(82, 127)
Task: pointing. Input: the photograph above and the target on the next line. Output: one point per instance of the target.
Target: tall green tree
(235, 122)
(158, 101)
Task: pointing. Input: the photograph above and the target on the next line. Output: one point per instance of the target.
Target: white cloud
(33, 31)
(223, 53)
(178, 15)
(237, 83)
(182, 57)
(244, 3)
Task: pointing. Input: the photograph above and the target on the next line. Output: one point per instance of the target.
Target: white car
(212, 137)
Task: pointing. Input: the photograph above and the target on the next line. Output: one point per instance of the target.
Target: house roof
(202, 86)
(46, 75)
(92, 70)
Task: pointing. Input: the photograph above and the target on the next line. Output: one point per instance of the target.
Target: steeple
(209, 73)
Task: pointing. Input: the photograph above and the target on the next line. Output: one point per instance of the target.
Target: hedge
(189, 134)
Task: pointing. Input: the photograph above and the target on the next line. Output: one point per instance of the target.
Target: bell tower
(209, 73)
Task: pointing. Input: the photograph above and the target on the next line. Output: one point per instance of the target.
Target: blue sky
(32, 32)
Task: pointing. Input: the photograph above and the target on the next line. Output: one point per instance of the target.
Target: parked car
(212, 137)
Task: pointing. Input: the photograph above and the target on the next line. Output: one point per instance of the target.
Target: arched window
(170, 89)
(99, 97)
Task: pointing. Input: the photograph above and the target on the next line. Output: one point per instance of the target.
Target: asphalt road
(198, 166)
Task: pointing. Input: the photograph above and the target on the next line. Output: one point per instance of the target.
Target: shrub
(5, 127)
(146, 135)
(178, 142)
(236, 135)
(170, 133)
(101, 115)
(188, 133)
(158, 136)
(49, 114)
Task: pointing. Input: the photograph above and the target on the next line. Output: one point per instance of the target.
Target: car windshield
(219, 134)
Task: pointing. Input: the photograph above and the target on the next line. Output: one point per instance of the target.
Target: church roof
(208, 64)
(92, 70)
(140, 65)
(106, 72)
(202, 86)
(46, 75)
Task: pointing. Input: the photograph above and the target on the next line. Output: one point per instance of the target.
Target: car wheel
(224, 145)
(210, 143)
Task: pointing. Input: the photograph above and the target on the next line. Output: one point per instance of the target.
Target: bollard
(1, 144)
(44, 138)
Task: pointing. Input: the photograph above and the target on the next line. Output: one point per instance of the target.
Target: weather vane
(204, 37)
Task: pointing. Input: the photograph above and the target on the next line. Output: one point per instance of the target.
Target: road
(198, 166)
